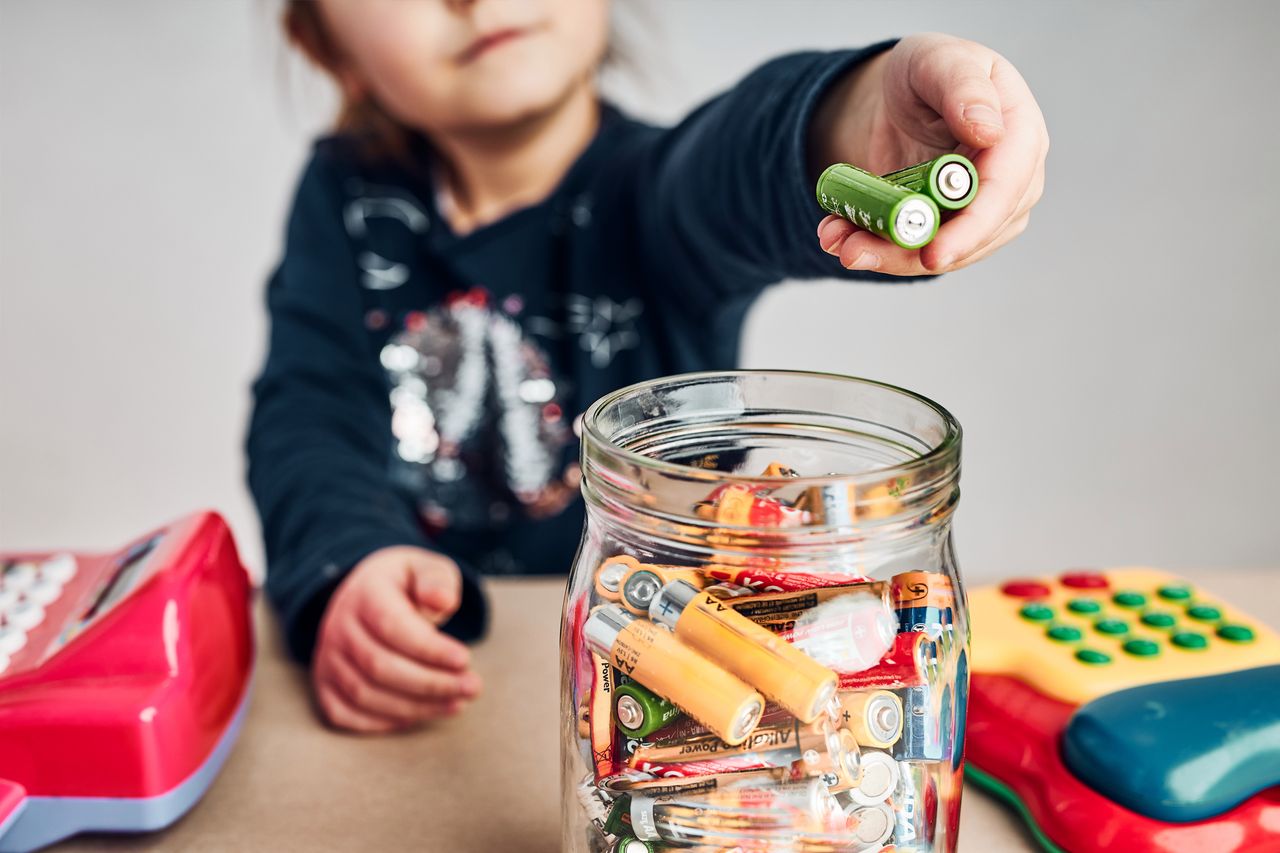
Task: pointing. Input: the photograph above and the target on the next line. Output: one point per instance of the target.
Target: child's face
(462, 66)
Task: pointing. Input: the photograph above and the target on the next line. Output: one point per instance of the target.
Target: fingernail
(865, 261)
(946, 261)
(983, 114)
(830, 248)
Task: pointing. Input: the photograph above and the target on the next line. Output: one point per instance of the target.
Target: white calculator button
(19, 576)
(8, 598)
(59, 568)
(44, 592)
(12, 639)
(26, 615)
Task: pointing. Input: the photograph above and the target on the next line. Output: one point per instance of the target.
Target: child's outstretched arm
(726, 199)
(349, 568)
(929, 95)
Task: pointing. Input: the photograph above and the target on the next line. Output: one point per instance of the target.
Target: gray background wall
(1117, 370)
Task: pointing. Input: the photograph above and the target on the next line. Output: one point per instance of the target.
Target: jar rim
(593, 434)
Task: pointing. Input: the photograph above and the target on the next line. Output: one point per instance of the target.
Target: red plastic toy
(124, 678)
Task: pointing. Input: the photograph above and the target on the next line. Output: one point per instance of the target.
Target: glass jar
(764, 636)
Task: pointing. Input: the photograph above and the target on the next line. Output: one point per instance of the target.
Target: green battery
(950, 180)
(635, 845)
(895, 213)
(641, 712)
(619, 820)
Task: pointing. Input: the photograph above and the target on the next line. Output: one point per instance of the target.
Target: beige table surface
(485, 781)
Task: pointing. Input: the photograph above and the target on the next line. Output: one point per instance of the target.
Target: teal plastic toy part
(1181, 751)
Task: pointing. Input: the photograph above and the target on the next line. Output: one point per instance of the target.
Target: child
(483, 248)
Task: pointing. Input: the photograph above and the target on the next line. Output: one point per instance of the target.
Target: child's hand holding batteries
(381, 661)
(932, 94)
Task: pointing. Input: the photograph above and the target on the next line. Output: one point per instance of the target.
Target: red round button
(1085, 580)
(1025, 589)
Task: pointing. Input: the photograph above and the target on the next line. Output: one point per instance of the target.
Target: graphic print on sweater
(477, 415)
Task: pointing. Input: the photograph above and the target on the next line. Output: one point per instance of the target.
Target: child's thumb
(957, 85)
(434, 595)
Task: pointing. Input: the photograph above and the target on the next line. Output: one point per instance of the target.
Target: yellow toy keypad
(1085, 634)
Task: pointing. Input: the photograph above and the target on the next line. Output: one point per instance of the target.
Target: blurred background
(1116, 370)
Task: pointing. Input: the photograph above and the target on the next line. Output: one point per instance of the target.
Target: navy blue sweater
(421, 387)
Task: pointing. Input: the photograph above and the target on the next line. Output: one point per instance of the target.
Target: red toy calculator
(1126, 710)
(124, 678)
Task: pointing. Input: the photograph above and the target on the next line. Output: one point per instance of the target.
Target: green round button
(1064, 633)
(1141, 648)
(1112, 626)
(1204, 613)
(1189, 640)
(1158, 620)
(1174, 592)
(1129, 599)
(1036, 612)
(1093, 656)
(1083, 605)
(1236, 633)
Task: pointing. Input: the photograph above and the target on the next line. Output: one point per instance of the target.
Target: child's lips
(490, 41)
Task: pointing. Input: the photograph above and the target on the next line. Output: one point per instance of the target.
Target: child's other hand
(381, 661)
(929, 95)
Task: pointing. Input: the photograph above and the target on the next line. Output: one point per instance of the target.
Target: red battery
(714, 766)
(909, 663)
(760, 580)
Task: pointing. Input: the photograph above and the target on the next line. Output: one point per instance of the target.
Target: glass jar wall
(764, 636)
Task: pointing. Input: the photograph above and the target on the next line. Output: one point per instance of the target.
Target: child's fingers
(362, 695)
(394, 622)
(832, 232)
(395, 672)
(863, 250)
(1005, 175)
(340, 714)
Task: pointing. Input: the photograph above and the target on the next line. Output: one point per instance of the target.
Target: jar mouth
(659, 447)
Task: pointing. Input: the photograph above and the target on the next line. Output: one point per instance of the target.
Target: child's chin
(503, 99)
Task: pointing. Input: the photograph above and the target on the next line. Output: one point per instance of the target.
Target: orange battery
(777, 469)
(657, 660)
(921, 589)
(643, 580)
(609, 576)
(780, 671)
(740, 505)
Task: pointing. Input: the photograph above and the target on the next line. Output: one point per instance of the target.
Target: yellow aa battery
(654, 657)
(873, 716)
(762, 659)
(950, 180)
(643, 580)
